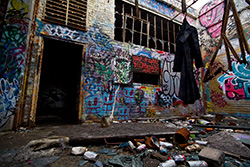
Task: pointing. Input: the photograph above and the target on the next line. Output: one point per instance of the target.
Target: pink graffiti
(209, 16)
(233, 91)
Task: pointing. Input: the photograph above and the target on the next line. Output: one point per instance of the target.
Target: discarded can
(197, 164)
(204, 122)
(201, 142)
(131, 145)
(141, 148)
(178, 158)
(163, 150)
(168, 163)
(193, 147)
(166, 144)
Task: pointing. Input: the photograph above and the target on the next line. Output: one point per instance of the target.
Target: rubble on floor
(218, 143)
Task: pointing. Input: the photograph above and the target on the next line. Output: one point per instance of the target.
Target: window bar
(155, 32)
(67, 13)
(148, 29)
(168, 37)
(141, 32)
(133, 30)
(162, 43)
(124, 22)
(174, 37)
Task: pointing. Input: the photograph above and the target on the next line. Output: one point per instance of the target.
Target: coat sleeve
(196, 53)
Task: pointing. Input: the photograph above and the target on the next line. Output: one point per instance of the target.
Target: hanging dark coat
(187, 49)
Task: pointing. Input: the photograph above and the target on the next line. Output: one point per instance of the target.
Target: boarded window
(146, 70)
(71, 13)
(148, 30)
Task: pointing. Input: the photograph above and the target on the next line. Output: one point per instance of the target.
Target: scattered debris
(46, 147)
(90, 155)
(78, 150)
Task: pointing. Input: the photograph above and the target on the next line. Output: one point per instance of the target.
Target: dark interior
(59, 83)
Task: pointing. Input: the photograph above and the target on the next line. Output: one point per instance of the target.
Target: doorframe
(36, 83)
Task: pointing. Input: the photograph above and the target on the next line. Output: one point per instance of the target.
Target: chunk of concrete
(213, 157)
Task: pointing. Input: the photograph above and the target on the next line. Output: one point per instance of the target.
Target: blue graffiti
(8, 97)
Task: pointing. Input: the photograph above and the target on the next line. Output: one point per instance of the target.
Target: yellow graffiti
(150, 112)
(210, 107)
(19, 6)
(148, 90)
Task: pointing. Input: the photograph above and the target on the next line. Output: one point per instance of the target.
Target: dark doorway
(59, 83)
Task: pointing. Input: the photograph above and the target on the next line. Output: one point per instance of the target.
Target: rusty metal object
(182, 136)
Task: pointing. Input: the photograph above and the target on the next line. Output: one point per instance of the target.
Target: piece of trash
(209, 129)
(105, 121)
(78, 150)
(104, 151)
(193, 147)
(163, 139)
(204, 122)
(98, 164)
(89, 155)
(141, 148)
(201, 142)
(116, 122)
(202, 132)
(166, 144)
(197, 164)
(229, 130)
(192, 136)
(178, 158)
(139, 142)
(163, 150)
(82, 162)
(112, 152)
(126, 144)
(230, 123)
(168, 163)
(152, 142)
(182, 136)
(131, 145)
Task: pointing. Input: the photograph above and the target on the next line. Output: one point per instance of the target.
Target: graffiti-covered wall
(107, 65)
(13, 56)
(108, 71)
(227, 92)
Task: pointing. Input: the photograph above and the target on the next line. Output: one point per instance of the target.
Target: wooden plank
(228, 57)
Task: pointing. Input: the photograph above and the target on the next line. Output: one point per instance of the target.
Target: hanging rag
(187, 49)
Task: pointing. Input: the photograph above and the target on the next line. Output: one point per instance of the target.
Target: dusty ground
(95, 138)
(89, 135)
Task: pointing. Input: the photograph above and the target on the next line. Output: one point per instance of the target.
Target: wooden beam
(137, 8)
(240, 31)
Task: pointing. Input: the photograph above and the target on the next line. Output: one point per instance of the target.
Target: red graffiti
(146, 65)
(217, 99)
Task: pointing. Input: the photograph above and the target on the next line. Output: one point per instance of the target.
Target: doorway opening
(58, 95)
